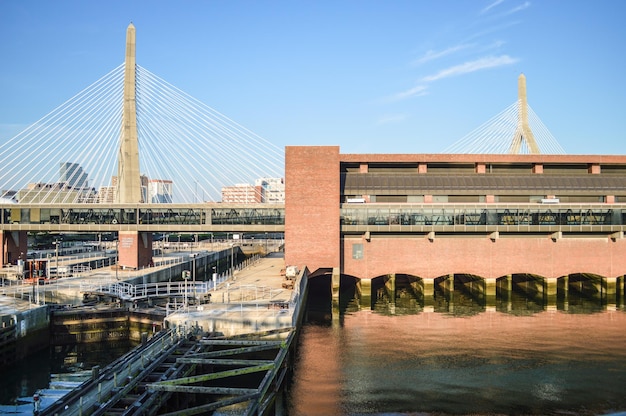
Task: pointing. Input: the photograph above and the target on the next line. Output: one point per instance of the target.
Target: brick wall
(135, 249)
(312, 206)
(483, 257)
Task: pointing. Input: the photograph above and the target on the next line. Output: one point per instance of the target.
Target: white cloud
(491, 6)
(519, 8)
(472, 66)
(432, 55)
(413, 92)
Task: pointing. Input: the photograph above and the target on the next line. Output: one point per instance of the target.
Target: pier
(230, 352)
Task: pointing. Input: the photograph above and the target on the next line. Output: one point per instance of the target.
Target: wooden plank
(264, 333)
(215, 376)
(205, 409)
(203, 390)
(216, 361)
(239, 343)
(234, 351)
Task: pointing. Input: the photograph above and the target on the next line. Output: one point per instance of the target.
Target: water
(454, 358)
(447, 357)
(53, 372)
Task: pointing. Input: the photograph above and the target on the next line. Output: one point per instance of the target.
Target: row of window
(186, 216)
(473, 216)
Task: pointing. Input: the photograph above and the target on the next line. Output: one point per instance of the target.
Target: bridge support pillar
(449, 287)
(565, 280)
(550, 292)
(134, 249)
(610, 290)
(390, 287)
(490, 294)
(13, 246)
(365, 289)
(508, 287)
(335, 283)
(429, 295)
(509, 284)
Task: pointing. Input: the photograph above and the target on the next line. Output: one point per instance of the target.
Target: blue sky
(369, 76)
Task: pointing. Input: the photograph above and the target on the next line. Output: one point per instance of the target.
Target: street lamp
(56, 258)
(193, 272)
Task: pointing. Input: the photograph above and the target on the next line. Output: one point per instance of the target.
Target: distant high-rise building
(242, 194)
(160, 191)
(272, 190)
(144, 184)
(106, 195)
(73, 175)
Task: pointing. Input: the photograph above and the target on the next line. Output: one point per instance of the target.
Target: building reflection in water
(527, 349)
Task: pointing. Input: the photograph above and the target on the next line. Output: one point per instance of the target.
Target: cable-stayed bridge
(516, 130)
(186, 151)
(87, 165)
(183, 144)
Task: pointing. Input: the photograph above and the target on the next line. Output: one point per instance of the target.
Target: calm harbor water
(521, 357)
(52, 372)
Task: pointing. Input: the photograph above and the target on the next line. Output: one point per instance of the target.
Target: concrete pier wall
(25, 330)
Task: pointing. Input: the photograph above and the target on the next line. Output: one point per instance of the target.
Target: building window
(357, 251)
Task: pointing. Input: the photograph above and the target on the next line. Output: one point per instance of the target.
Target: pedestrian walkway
(253, 300)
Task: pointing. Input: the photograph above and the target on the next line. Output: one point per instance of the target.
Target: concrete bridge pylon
(523, 131)
(135, 250)
(128, 177)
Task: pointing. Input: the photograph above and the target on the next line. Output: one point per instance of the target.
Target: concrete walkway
(253, 300)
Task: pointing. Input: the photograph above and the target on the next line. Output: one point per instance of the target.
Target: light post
(193, 271)
(185, 278)
(56, 258)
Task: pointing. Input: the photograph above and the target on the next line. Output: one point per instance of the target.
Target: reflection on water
(523, 351)
(50, 371)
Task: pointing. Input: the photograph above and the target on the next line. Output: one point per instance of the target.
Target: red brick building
(432, 215)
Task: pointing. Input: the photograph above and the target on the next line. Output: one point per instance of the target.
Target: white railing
(126, 291)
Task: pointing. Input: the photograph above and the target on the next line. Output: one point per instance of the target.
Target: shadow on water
(35, 373)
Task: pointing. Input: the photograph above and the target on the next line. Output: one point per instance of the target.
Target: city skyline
(404, 77)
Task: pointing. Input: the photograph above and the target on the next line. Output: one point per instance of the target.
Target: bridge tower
(128, 180)
(523, 132)
(135, 248)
